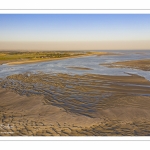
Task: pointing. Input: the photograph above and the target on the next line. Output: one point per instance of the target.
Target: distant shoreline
(17, 62)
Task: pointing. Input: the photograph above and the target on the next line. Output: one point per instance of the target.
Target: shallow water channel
(91, 63)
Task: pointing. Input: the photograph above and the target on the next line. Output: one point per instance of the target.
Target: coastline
(53, 59)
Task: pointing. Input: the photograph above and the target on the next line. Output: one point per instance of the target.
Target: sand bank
(61, 104)
(79, 68)
(143, 64)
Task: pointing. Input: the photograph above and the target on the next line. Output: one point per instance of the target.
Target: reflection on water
(92, 62)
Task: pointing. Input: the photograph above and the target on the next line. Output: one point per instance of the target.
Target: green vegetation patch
(14, 56)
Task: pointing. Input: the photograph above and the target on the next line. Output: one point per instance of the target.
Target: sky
(74, 31)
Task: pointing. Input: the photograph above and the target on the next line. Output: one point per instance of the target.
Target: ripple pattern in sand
(84, 95)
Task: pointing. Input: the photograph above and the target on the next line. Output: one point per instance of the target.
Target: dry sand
(61, 104)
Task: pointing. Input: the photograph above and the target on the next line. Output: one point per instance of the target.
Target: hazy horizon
(62, 46)
(75, 32)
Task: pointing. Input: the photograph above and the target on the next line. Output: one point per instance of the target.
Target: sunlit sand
(88, 104)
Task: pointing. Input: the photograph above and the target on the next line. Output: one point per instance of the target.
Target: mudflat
(77, 105)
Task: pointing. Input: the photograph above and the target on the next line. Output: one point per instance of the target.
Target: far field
(33, 56)
(15, 57)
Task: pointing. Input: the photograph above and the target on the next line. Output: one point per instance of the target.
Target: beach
(93, 94)
(74, 105)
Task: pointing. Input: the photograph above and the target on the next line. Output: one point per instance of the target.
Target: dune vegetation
(34, 56)
(16, 57)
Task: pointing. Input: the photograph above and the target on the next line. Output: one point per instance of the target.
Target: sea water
(95, 63)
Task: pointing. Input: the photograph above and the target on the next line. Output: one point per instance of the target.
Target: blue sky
(74, 27)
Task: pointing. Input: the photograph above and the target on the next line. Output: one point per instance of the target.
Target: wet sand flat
(79, 68)
(82, 105)
(143, 64)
